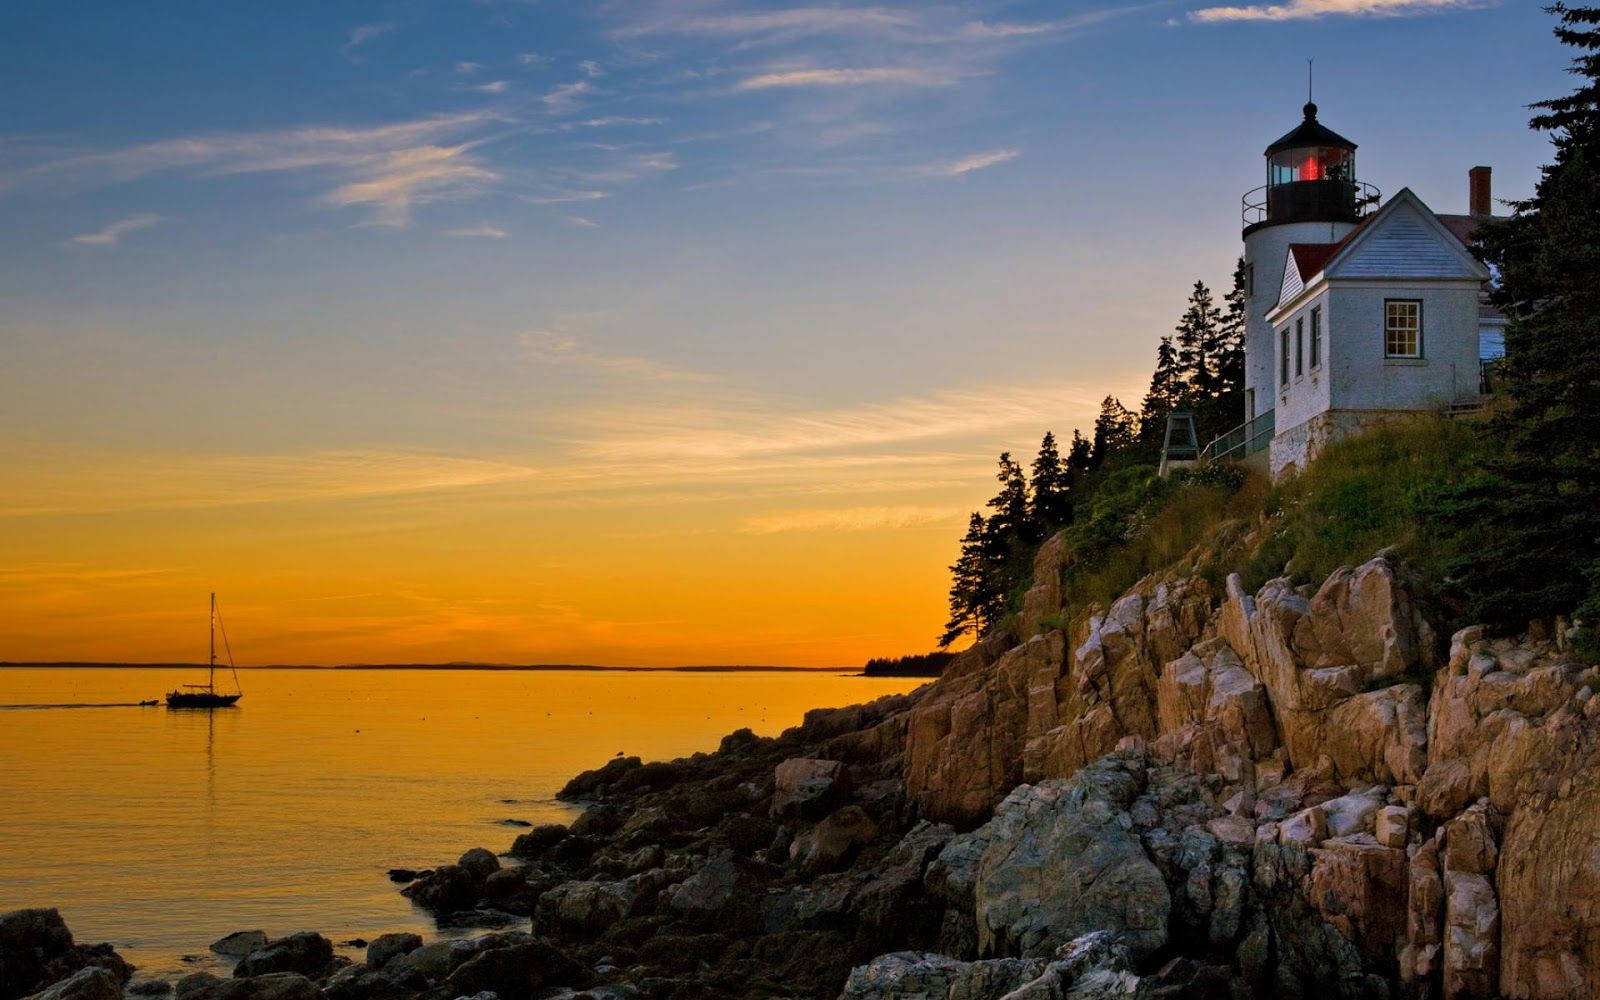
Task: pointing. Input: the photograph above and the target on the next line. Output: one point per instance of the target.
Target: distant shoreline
(708, 669)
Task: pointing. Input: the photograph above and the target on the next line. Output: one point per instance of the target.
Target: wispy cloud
(591, 68)
(772, 25)
(493, 87)
(362, 34)
(410, 177)
(137, 482)
(582, 222)
(968, 164)
(871, 518)
(904, 76)
(567, 197)
(481, 231)
(109, 236)
(1305, 10)
(564, 98)
(550, 348)
(388, 167)
(466, 68)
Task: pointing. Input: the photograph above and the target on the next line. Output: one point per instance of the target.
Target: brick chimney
(1480, 202)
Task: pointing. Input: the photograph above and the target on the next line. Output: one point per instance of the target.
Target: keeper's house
(1357, 310)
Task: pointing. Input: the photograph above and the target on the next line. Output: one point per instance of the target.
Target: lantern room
(1311, 177)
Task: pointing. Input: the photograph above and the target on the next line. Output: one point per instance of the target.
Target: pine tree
(1166, 388)
(1052, 501)
(1199, 335)
(1114, 431)
(1010, 523)
(1080, 459)
(1532, 524)
(1230, 355)
(972, 607)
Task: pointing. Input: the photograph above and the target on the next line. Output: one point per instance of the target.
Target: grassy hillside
(1367, 493)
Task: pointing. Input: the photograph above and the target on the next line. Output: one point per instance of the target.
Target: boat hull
(200, 699)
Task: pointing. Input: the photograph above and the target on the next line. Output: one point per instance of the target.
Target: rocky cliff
(1194, 792)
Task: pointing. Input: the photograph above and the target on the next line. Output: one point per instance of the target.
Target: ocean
(162, 830)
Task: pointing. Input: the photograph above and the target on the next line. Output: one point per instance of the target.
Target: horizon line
(680, 668)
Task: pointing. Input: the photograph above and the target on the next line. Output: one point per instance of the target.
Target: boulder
(831, 842)
(445, 889)
(536, 841)
(708, 891)
(1062, 861)
(386, 947)
(272, 986)
(513, 965)
(92, 983)
(1393, 826)
(240, 943)
(591, 906)
(37, 951)
(805, 787)
(306, 952)
(479, 862)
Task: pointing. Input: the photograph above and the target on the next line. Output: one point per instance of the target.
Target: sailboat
(205, 695)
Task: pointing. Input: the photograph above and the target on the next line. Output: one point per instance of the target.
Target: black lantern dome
(1311, 177)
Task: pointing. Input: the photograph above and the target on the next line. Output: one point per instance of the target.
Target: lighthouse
(1311, 197)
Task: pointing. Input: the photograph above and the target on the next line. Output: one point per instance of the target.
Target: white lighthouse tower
(1311, 196)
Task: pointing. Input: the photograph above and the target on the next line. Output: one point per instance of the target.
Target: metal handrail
(1244, 440)
(1253, 203)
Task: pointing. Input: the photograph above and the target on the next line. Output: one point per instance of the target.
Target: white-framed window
(1283, 356)
(1402, 328)
(1316, 336)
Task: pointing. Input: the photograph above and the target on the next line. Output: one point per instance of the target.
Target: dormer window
(1402, 328)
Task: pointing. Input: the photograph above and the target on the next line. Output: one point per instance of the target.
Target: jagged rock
(1421, 958)
(1356, 812)
(433, 961)
(1392, 826)
(306, 952)
(1208, 685)
(1062, 861)
(1358, 884)
(1305, 829)
(386, 947)
(827, 845)
(1470, 842)
(150, 988)
(1471, 936)
(92, 983)
(239, 943)
(594, 905)
(1361, 616)
(903, 975)
(807, 788)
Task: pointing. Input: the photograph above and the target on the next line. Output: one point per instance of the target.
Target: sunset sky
(625, 333)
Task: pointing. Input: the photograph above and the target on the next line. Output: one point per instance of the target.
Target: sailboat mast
(211, 674)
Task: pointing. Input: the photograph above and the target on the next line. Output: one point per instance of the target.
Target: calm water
(161, 830)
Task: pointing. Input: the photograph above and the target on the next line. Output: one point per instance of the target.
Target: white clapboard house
(1359, 309)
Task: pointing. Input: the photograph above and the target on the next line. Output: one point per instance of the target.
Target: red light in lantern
(1311, 170)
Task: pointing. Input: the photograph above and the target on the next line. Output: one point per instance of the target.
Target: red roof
(1310, 258)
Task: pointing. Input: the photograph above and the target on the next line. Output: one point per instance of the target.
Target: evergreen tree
(1080, 459)
(1166, 388)
(1010, 523)
(1532, 524)
(972, 607)
(1230, 354)
(1114, 431)
(1052, 502)
(1199, 335)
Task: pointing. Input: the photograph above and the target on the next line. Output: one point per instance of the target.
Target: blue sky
(695, 263)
